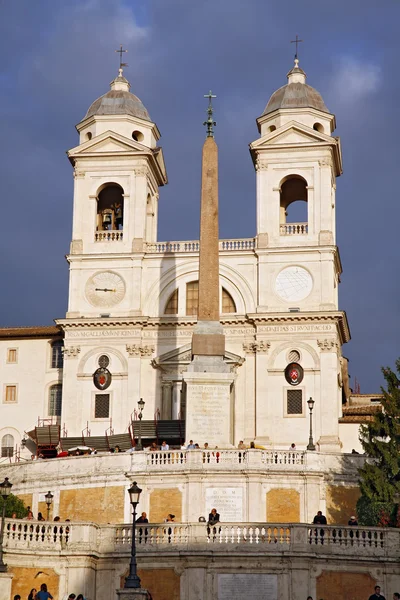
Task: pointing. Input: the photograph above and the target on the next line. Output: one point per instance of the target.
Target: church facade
(133, 299)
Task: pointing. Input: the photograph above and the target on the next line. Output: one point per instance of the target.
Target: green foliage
(14, 505)
(376, 514)
(380, 439)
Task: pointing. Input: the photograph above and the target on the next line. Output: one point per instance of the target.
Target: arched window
(55, 400)
(7, 446)
(171, 307)
(57, 355)
(110, 208)
(293, 204)
(228, 303)
(192, 300)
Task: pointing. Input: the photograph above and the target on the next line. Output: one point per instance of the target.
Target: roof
(29, 332)
(118, 101)
(359, 414)
(295, 94)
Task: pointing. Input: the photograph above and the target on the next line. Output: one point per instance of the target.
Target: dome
(296, 94)
(118, 101)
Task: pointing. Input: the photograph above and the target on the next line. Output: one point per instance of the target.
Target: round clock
(105, 288)
(293, 283)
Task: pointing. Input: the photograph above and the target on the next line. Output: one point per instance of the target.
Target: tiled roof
(29, 332)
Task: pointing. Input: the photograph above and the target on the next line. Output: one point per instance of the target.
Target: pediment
(182, 356)
(109, 142)
(293, 133)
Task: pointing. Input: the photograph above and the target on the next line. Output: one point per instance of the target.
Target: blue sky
(57, 57)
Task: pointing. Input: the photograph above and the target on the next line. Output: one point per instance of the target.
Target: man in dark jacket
(377, 595)
(319, 519)
(142, 519)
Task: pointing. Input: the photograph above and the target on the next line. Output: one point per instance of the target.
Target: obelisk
(208, 378)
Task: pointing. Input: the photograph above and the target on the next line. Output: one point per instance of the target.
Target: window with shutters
(102, 406)
(10, 394)
(7, 446)
(294, 402)
(12, 355)
(55, 400)
(57, 355)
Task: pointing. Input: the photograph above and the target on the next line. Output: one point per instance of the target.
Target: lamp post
(140, 416)
(5, 489)
(49, 501)
(310, 445)
(133, 580)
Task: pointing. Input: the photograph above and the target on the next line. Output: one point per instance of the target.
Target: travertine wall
(283, 506)
(96, 504)
(163, 584)
(341, 504)
(164, 501)
(332, 585)
(26, 578)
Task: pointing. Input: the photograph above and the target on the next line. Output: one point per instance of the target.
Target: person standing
(43, 594)
(164, 446)
(377, 595)
(353, 522)
(213, 519)
(142, 519)
(320, 519)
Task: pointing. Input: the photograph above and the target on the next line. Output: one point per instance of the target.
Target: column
(166, 406)
(327, 413)
(176, 400)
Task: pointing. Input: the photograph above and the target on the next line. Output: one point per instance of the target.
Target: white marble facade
(283, 284)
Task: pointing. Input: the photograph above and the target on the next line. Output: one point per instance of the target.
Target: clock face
(293, 283)
(105, 288)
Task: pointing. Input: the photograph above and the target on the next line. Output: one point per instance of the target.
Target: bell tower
(297, 160)
(118, 169)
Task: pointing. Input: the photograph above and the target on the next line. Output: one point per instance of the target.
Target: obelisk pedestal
(132, 594)
(209, 409)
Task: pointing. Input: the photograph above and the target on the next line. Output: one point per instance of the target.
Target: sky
(56, 58)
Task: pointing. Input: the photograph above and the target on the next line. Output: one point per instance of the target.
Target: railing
(108, 236)
(294, 229)
(219, 459)
(294, 538)
(194, 246)
(35, 533)
(283, 457)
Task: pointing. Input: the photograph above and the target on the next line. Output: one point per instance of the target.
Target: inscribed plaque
(227, 501)
(257, 586)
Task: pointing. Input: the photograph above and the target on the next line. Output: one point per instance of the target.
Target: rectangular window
(55, 400)
(57, 355)
(12, 355)
(102, 406)
(294, 402)
(10, 396)
(192, 298)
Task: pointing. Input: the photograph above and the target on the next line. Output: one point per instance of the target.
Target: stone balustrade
(108, 236)
(293, 229)
(102, 540)
(194, 246)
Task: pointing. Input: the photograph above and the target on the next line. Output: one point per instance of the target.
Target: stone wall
(26, 578)
(96, 504)
(164, 501)
(341, 503)
(283, 506)
(332, 585)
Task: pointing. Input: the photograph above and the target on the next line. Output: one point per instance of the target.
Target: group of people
(44, 594)
(375, 596)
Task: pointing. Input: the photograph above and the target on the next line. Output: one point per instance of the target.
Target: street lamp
(133, 580)
(5, 489)
(49, 501)
(140, 416)
(310, 445)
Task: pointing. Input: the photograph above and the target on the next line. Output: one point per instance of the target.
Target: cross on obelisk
(120, 52)
(297, 42)
(210, 121)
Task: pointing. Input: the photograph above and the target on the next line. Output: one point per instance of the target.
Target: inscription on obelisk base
(209, 408)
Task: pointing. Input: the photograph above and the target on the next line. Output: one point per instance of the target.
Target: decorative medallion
(102, 377)
(105, 288)
(294, 373)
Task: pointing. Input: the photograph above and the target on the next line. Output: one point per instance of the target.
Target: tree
(380, 439)
(14, 505)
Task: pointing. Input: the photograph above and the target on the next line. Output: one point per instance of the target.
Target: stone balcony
(231, 245)
(293, 229)
(22, 537)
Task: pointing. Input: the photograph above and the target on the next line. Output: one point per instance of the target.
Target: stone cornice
(338, 318)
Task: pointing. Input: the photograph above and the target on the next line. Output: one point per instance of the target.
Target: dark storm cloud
(56, 58)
